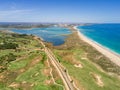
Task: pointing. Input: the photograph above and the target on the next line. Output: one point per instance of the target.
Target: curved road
(66, 80)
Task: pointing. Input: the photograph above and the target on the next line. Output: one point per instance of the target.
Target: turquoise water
(107, 35)
(55, 35)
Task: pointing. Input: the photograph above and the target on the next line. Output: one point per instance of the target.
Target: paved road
(62, 73)
(67, 82)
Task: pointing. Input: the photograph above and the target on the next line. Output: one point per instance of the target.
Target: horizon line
(65, 22)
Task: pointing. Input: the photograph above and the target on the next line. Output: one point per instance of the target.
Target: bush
(4, 60)
(6, 45)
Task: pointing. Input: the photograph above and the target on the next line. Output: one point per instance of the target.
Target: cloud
(11, 15)
(12, 12)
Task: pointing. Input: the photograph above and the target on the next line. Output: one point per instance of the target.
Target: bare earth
(115, 58)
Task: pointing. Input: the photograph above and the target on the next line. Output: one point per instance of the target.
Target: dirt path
(64, 76)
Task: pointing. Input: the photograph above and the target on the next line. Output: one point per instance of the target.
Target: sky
(85, 11)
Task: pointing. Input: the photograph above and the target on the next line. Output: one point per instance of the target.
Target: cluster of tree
(22, 36)
(19, 35)
(4, 60)
(7, 45)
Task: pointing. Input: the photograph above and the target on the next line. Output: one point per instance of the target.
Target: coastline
(115, 58)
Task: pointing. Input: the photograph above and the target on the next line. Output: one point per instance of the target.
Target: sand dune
(115, 58)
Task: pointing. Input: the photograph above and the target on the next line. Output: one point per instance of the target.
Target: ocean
(107, 35)
(55, 35)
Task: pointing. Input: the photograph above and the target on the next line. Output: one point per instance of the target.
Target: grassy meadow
(84, 76)
(89, 69)
(24, 64)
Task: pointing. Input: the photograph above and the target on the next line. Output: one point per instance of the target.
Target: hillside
(24, 64)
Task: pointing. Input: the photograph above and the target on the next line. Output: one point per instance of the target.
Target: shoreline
(114, 57)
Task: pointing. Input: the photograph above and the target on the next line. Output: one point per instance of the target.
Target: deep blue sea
(55, 35)
(108, 35)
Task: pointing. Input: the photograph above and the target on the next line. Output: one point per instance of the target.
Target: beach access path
(115, 58)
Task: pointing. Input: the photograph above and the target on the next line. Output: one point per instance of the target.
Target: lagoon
(55, 35)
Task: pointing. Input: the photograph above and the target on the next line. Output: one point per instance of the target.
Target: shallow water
(55, 35)
(108, 35)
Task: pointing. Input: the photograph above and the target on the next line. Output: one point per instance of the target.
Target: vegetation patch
(82, 75)
(90, 53)
(89, 77)
(21, 67)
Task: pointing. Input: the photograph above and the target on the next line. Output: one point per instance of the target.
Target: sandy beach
(115, 58)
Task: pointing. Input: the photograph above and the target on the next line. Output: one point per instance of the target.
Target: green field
(23, 64)
(89, 69)
(83, 76)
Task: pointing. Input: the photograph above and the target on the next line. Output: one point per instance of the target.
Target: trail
(62, 72)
